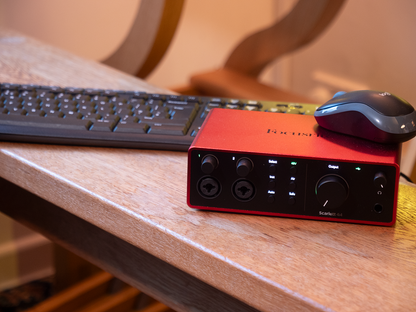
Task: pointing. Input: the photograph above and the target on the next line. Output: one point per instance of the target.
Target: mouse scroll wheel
(339, 93)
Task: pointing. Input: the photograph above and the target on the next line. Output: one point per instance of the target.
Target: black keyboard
(113, 118)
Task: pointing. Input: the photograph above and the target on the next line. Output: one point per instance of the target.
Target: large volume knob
(331, 191)
(244, 166)
(380, 180)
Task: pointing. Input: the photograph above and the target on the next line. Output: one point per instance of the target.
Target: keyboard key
(105, 111)
(120, 102)
(23, 88)
(35, 112)
(193, 99)
(100, 99)
(161, 97)
(50, 101)
(110, 93)
(54, 89)
(184, 113)
(44, 94)
(11, 104)
(32, 104)
(172, 122)
(86, 109)
(105, 125)
(172, 102)
(81, 98)
(154, 102)
(217, 100)
(44, 122)
(126, 127)
(140, 95)
(73, 115)
(17, 111)
(250, 108)
(175, 97)
(93, 91)
(70, 90)
(136, 103)
(54, 113)
(93, 116)
(68, 102)
(124, 112)
(68, 108)
(14, 98)
(9, 86)
(28, 94)
(11, 92)
(233, 106)
(63, 96)
(167, 129)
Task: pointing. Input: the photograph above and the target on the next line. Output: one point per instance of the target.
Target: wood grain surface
(140, 269)
(139, 196)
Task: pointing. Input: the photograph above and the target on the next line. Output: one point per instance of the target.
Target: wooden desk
(125, 210)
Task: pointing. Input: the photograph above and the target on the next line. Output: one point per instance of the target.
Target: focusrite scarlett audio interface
(286, 165)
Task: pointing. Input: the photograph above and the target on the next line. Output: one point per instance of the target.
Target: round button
(292, 186)
(244, 166)
(291, 201)
(380, 180)
(270, 199)
(331, 191)
(209, 163)
(272, 168)
(272, 184)
(293, 170)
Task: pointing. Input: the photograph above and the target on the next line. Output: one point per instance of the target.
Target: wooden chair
(155, 25)
(149, 37)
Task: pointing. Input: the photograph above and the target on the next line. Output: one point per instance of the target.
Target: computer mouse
(373, 115)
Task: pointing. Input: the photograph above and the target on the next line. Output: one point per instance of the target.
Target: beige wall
(91, 28)
(207, 32)
(371, 44)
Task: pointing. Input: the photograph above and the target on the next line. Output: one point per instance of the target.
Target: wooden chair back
(155, 25)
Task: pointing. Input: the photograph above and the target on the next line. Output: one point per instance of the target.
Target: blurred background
(370, 45)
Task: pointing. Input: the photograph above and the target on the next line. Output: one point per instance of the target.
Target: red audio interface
(286, 165)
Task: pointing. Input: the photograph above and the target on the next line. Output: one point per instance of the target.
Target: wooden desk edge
(73, 198)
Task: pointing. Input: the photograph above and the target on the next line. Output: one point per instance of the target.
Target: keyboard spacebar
(44, 122)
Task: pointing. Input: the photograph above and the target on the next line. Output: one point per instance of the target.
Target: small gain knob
(244, 166)
(209, 163)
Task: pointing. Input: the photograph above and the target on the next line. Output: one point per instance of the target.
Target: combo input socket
(243, 190)
(209, 187)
